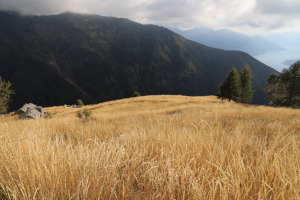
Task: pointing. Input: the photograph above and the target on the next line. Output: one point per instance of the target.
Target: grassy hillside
(55, 60)
(153, 147)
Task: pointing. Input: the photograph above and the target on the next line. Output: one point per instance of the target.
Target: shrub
(136, 94)
(48, 115)
(80, 103)
(86, 114)
(79, 114)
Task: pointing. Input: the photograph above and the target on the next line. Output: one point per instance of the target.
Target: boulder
(30, 110)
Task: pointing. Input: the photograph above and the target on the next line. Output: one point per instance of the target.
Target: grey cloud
(58, 6)
(165, 10)
(278, 7)
(268, 14)
(269, 24)
(34, 6)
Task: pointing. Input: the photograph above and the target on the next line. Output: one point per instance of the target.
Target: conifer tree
(246, 85)
(5, 93)
(290, 79)
(275, 90)
(231, 87)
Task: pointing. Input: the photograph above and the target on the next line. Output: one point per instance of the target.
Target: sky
(245, 16)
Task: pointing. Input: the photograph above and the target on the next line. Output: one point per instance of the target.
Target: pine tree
(290, 79)
(5, 93)
(246, 85)
(231, 87)
(274, 90)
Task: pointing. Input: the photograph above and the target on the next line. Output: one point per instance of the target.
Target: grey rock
(30, 111)
(24, 108)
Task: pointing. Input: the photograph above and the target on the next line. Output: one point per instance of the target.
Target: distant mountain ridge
(229, 40)
(55, 60)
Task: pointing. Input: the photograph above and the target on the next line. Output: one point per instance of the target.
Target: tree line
(281, 89)
(284, 89)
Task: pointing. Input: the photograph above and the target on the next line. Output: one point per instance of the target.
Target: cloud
(278, 7)
(255, 14)
(270, 15)
(204, 12)
(33, 6)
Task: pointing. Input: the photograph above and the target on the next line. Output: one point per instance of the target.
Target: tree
(246, 85)
(284, 89)
(274, 90)
(5, 93)
(231, 87)
(290, 78)
(80, 102)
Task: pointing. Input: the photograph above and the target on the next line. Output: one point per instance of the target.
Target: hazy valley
(278, 51)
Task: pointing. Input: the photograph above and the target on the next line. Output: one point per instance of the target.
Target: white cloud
(235, 14)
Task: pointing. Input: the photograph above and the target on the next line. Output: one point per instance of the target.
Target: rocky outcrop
(30, 110)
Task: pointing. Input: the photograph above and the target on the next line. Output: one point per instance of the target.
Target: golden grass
(153, 147)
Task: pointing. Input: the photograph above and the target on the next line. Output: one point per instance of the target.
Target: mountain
(229, 40)
(57, 59)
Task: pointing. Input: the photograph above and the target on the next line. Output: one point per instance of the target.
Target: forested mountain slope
(54, 60)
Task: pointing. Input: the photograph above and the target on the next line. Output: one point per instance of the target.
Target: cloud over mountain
(255, 14)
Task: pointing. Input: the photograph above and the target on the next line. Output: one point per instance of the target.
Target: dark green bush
(136, 94)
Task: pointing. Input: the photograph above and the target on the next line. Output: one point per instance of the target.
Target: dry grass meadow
(153, 147)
